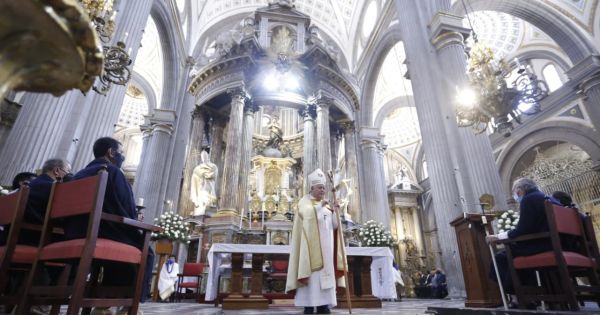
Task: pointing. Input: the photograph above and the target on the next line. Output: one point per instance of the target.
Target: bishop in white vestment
(316, 258)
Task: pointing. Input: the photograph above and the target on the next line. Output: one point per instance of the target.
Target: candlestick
(125, 37)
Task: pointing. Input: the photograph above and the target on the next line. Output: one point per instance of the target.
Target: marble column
(374, 193)
(400, 234)
(418, 231)
(309, 154)
(37, 132)
(336, 139)
(414, 18)
(477, 166)
(233, 152)
(590, 88)
(192, 159)
(140, 174)
(161, 129)
(323, 139)
(216, 147)
(352, 168)
(246, 143)
(99, 118)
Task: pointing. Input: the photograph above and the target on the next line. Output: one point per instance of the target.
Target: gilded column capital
(250, 107)
(347, 126)
(238, 92)
(323, 102)
(308, 112)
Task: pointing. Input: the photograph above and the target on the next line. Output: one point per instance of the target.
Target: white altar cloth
(382, 270)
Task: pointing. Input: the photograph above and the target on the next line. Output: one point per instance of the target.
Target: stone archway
(553, 131)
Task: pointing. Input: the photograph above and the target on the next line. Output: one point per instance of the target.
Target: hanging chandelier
(116, 59)
(490, 101)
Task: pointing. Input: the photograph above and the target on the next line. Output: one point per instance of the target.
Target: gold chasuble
(313, 252)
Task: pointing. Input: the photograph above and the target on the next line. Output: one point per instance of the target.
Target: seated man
(532, 219)
(439, 288)
(20, 179)
(168, 278)
(118, 200)
(39, 192)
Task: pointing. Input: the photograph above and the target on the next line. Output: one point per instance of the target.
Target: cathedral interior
(224, 107)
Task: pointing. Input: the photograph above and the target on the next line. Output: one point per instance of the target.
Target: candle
(129, 51)
(241, 218)
(113, 16)
(125, 37)
(140, 202)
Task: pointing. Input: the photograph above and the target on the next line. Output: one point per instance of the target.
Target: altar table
(382, 273)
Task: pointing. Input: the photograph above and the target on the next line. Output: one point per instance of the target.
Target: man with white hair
(316, 264)
(532, 219)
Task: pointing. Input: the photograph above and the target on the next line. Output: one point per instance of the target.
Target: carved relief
(272, 180)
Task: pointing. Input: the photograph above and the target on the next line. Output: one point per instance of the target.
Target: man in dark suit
(53, 170)
(532, 219)
(118, 200)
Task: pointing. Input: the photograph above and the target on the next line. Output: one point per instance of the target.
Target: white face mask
(517, 197)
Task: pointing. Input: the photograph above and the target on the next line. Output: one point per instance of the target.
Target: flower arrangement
(172, 228)
(508, 221)
(373, 234)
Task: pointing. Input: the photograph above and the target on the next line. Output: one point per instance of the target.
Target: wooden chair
(85, 197)
(189, 270)
(559, 266)
(14, 257)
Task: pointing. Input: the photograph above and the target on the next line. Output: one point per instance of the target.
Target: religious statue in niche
(343, 192)
(282, 41)
(272, 180)
(203, 184)
(275, 134)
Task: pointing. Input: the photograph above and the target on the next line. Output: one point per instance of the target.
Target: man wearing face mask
(532, 219)
(118, 200)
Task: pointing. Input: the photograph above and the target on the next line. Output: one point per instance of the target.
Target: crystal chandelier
(490, 101)
(116, 59)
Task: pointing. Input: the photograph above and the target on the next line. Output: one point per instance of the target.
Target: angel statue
(343, 192)
(203, 184)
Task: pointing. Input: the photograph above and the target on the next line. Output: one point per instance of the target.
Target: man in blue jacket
(532, 219)
(118, 200)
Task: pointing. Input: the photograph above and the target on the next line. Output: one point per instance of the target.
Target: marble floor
(405, 307)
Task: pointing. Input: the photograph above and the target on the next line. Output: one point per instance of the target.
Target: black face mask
(119, 159)
(68, 177)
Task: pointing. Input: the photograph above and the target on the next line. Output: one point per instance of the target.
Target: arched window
(370, 18)
(551, 77)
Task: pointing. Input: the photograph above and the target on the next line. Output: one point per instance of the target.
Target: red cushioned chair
(190, 270)
(276, 279)
(14, 258)
(81, 197)
(559, 267)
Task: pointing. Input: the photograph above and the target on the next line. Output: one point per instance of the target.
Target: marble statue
(343, 192)
(203, 184)
(275, 134)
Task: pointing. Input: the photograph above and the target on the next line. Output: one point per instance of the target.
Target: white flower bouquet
(172, 228)
(373, 234)
(508, 221)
